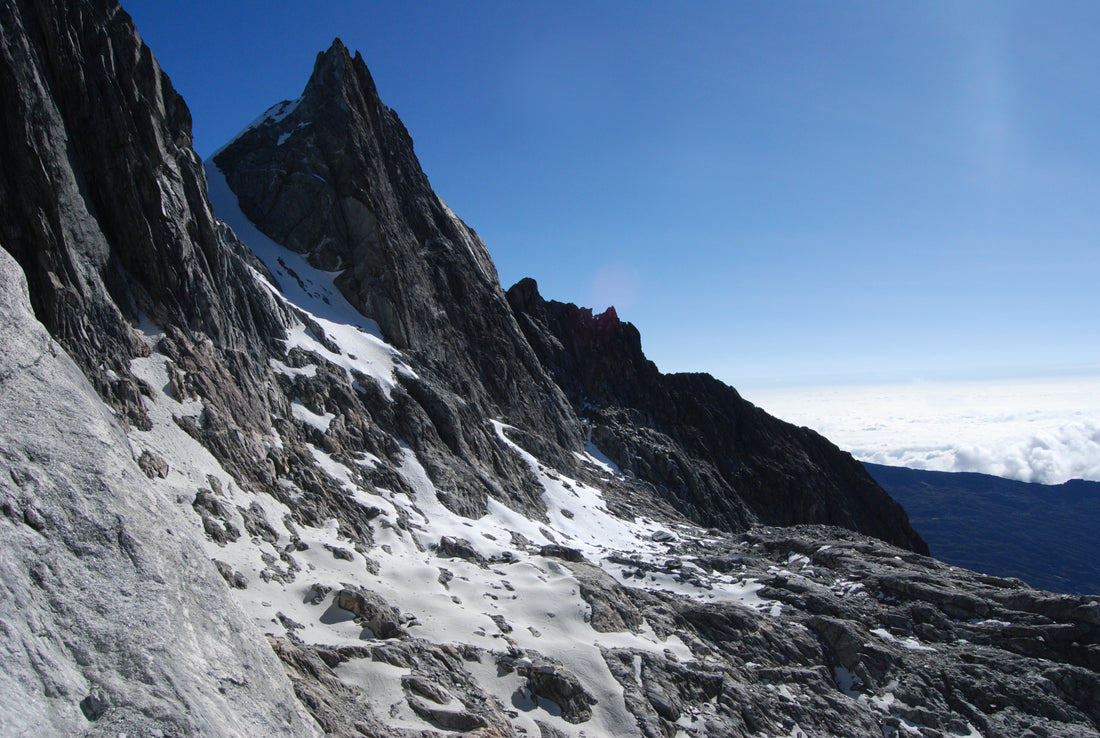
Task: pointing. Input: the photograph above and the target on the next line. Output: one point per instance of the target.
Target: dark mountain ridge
(714, 456)
(333, 176)
(228, 514)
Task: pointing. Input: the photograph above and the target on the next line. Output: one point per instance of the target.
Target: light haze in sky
(1039, 430)
(781, 194)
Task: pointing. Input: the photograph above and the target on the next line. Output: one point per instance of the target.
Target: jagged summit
(334, 176)
(350, 192)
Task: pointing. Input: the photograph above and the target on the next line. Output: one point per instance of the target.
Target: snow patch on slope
(312, 292)
(275, 114)
(303, 285)
(514, 598)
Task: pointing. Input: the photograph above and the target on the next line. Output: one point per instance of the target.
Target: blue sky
(793, 193)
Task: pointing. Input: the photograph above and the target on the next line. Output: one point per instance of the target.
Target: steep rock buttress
(713, 455)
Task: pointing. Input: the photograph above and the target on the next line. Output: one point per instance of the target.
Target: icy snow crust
(312, 291)
(275, 114)
(442, 600)
(536, 594)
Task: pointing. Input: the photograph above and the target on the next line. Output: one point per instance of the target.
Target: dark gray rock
(340, 553)
(612, 609)
(256, 524)
(232, 577)
(153, 465)
(557, 551)
(425, 688)
(460, 548)
(371, 611)
(717, 458)
(555, 683)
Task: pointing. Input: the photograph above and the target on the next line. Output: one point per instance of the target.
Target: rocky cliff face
(260, 500)
(104, 200)
(114, 618)
(332, 175)
(714, 456)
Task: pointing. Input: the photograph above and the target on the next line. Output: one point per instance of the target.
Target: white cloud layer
(1044, 431)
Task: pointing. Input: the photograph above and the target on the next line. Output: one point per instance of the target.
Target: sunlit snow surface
(275, 114)
(521, 599)
(539, 597)
(1044, 431)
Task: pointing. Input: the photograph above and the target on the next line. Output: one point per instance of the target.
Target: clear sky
(794, 193)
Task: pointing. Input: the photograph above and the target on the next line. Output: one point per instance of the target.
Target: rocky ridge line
(333, 175)
(711, 454)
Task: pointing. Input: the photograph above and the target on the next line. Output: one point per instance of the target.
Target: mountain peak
(336, 60)
(336, 47)
(336, 179)
(336, 69)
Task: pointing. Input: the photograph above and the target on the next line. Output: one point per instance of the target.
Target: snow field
(537, 597)
(519, 599)
(536, 592)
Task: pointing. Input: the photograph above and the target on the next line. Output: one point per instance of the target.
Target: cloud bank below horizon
(1045, 431)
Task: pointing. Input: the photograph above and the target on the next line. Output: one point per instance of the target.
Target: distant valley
(1046, 535)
